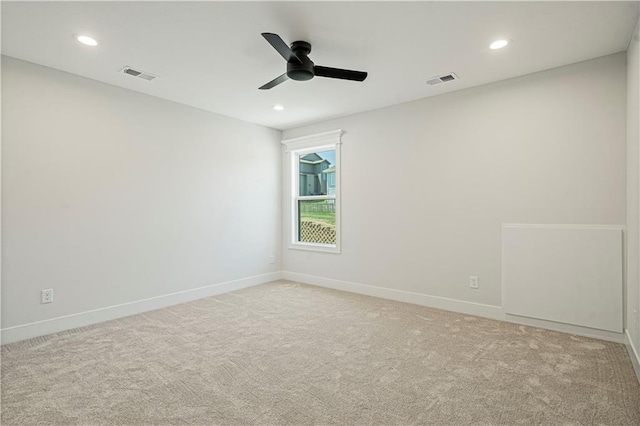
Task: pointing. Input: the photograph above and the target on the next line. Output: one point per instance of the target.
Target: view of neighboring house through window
(316, 200)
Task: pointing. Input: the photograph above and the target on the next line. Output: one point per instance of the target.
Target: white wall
(428, 184)
(110, 196)
(633, 190)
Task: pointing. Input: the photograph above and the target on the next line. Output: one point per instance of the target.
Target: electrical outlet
(474, 282)
(46, 296)
(272, 259)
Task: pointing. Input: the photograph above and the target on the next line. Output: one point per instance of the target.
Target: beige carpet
(285, 353)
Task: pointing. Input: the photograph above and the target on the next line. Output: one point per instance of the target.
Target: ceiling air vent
(140, 74)
(442, 79)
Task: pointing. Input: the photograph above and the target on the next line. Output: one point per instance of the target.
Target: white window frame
(295, 148)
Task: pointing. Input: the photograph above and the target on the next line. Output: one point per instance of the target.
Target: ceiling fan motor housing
(304, 71)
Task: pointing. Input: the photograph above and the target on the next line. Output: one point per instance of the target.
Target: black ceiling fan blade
(275, 82)
(339, 73)
(282, 48)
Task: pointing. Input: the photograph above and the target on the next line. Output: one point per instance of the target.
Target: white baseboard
(454, 305)
(470, 308)
(67, 322)
(633, 353)
(577, 330)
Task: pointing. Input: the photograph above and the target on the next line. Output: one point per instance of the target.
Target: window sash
(298, 154)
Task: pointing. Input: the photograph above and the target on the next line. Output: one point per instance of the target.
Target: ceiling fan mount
(300, 67)
(303, 71)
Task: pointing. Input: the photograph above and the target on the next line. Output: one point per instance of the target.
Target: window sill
(323, 248)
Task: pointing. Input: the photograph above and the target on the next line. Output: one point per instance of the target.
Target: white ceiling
(210, 55)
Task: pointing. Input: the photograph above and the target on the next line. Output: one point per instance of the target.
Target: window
(315, 202)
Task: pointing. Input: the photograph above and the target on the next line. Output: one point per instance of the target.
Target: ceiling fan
(300, 67)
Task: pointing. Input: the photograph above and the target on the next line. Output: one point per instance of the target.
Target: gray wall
(427, 185)
(110, 196)
(633, 189)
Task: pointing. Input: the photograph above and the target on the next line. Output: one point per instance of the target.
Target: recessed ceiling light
(498, 44)
(278, 107)
(87, 40)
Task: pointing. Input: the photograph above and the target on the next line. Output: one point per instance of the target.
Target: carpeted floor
(285, 353)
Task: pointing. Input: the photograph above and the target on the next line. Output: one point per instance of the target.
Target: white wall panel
(564, 273)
